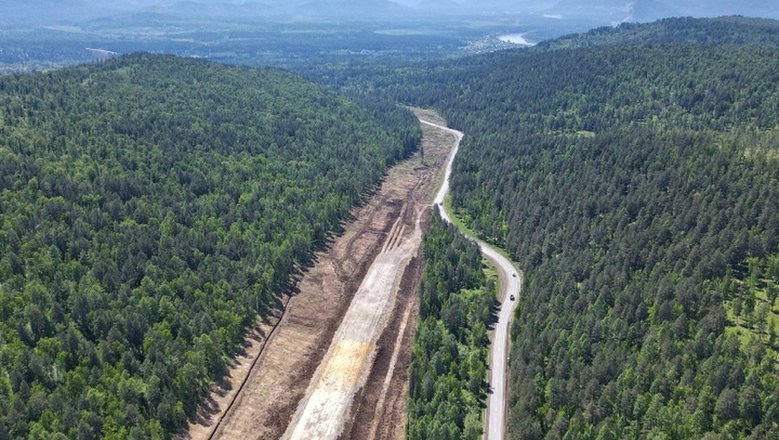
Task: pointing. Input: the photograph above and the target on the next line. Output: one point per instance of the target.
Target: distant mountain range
(43, 12)
(352, 10)
(731, 30)
(609, 10)
(650, 10)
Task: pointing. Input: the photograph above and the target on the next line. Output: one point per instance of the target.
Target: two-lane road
(510, 283)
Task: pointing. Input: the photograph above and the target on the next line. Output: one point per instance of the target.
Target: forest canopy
(729, 30)
(150, 208)
(447, 389)
(638, 186)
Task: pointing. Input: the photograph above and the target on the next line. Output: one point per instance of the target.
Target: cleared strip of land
(296, 351)
(344, 371)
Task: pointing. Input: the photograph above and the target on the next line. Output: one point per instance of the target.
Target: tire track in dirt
(269, 393)
(390, 372)
(345, 369)
(388, 421)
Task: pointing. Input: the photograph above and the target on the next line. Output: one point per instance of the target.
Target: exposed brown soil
(292, 352)
(387, 421)
(379, 411)
(223, 392)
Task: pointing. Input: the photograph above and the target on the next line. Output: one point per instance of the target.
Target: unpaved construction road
(347, 331)
(333, 363)
(344, 371)
(510, 284)
(345, 368)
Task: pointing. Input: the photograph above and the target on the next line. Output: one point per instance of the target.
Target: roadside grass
(490, 271)
(463, 227)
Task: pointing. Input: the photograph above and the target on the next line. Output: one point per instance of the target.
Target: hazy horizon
(47, 12)
(47, 34)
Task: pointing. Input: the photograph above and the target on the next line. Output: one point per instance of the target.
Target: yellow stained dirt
(344, 367)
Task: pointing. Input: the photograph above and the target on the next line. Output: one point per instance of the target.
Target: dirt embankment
(379, 409)
(290, 356)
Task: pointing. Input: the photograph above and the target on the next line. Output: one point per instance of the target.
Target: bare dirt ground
(345, 368)
(223, 393)
(379, 409)
(289, 358)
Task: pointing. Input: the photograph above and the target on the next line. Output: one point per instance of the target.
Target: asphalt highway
(510, 284)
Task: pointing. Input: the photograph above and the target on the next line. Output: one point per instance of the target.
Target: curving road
(510, 284)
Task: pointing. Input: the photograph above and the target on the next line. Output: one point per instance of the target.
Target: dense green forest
(639, 188)
(448, 367)
(733, 30)
(151, 207)
(430, 83)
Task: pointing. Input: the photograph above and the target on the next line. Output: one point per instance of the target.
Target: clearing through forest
(344, 370)
(340, 351)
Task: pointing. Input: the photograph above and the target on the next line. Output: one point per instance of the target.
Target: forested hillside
(151, 207)
(447, 374)
(639, 188)
(733, 30)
